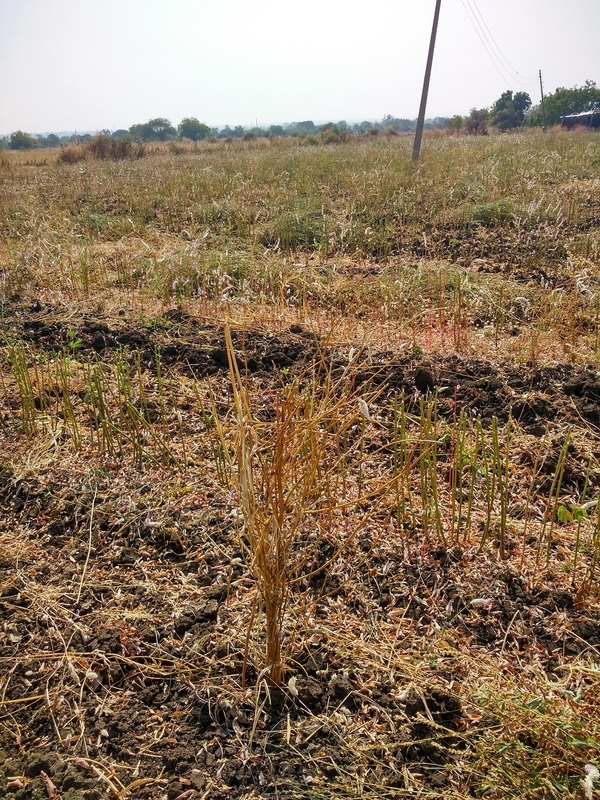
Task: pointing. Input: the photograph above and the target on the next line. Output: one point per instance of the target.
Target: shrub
(72, 154)
(492, 214)
(104, 148)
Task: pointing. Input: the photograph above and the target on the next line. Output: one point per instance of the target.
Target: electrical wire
(503, 74)
(508, 73)
(525, 79)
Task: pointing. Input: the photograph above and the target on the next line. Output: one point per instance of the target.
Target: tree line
(510, 111)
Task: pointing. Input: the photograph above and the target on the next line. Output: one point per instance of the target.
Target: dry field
(300, 471)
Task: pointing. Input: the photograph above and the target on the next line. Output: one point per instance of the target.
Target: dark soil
(533, 395)
(132, 689)
(136, 682)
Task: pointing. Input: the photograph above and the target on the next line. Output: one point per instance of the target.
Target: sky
(85, 65)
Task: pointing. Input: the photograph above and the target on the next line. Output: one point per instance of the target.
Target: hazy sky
(92, 64)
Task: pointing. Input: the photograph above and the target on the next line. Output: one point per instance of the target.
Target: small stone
(197, 779)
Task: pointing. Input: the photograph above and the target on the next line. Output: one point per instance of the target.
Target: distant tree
(399, 125)
(21, 141)
(476, 122)
(139, 132)
(155, 130)
(331, 133)
(522, 103)
(307, 127)
(238, 132)
(51, 140)
(567, 101)
(121, 133)
(162, 129)
(258, 133)
(276, 130)
(509, 111)
(191, 128)
(455, 123)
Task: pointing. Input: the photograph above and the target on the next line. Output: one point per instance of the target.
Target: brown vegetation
(300, 470)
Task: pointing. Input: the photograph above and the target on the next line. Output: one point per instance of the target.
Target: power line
(527, 80)
(503, 74)
(507, 73)
(489, 43)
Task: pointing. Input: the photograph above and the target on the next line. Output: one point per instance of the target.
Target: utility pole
(421, 119)
(545, 129)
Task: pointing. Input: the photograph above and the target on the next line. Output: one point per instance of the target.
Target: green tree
(191, 128)
(567, 101)
(51, 140)
(258, 133)
(400, 125)
(162, 129)
(21, 141)
(331, 133)
(476, 122)
(454, 123)
(306, 127)
(509, 111)
(522, 103)
(155, 130)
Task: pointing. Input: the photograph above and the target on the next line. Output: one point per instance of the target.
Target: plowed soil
(125, 604)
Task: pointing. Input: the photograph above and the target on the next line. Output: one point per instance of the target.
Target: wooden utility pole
(545, 129)
(421, 119)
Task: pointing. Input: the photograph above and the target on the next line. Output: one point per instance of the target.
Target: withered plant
(290, 466)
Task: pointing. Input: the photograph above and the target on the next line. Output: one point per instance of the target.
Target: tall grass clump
(102, 148)
(287, 467)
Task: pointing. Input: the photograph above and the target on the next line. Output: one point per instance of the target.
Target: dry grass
(313, 550)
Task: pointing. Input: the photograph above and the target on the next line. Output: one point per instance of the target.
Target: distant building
(590, 119)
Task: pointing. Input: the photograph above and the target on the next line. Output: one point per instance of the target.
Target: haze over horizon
(70, 65)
